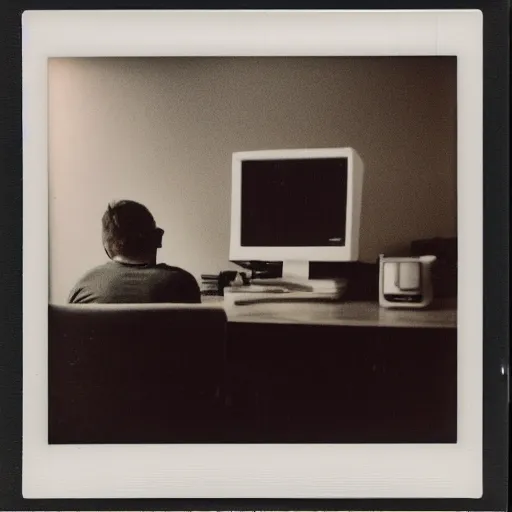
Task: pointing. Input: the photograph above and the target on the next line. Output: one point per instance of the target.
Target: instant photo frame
(252, 471)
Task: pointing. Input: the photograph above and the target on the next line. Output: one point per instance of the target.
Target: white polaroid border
(252, 471)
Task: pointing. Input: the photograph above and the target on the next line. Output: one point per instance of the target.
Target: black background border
(496, 16)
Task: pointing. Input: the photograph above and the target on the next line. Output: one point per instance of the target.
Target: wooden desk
(443, 315)
(342, 373)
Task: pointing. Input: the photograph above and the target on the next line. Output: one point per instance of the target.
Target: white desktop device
(406, 283)
(297, 206)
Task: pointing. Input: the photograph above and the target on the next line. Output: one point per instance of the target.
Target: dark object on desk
(225, 279)
(135, 373)
(215, 284)
(444, 271)
(262, 269)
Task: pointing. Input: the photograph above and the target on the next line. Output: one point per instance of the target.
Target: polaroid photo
(259, 240)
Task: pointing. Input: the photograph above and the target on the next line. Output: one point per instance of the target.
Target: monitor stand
(296, 279)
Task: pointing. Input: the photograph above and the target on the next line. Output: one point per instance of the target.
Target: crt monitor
(296, 206)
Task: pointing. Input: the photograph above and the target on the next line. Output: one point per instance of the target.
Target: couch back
(135, 373)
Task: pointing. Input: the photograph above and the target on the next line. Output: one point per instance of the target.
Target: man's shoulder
(90, 282)
(174, 272)
(180, 285)
(99, 270)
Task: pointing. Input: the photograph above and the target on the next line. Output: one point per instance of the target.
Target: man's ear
(159, 233)
(107, 253)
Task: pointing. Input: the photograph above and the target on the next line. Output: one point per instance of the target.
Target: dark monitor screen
(294, 203)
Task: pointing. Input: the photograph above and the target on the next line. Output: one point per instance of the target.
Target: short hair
(128, 229)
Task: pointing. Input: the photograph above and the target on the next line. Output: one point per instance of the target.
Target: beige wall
(161, 131)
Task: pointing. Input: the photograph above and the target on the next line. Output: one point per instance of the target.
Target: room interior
(162, 132)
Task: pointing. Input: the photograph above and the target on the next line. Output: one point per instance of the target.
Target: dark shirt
(118, 283)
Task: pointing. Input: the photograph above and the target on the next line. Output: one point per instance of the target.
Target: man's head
(130, 231)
